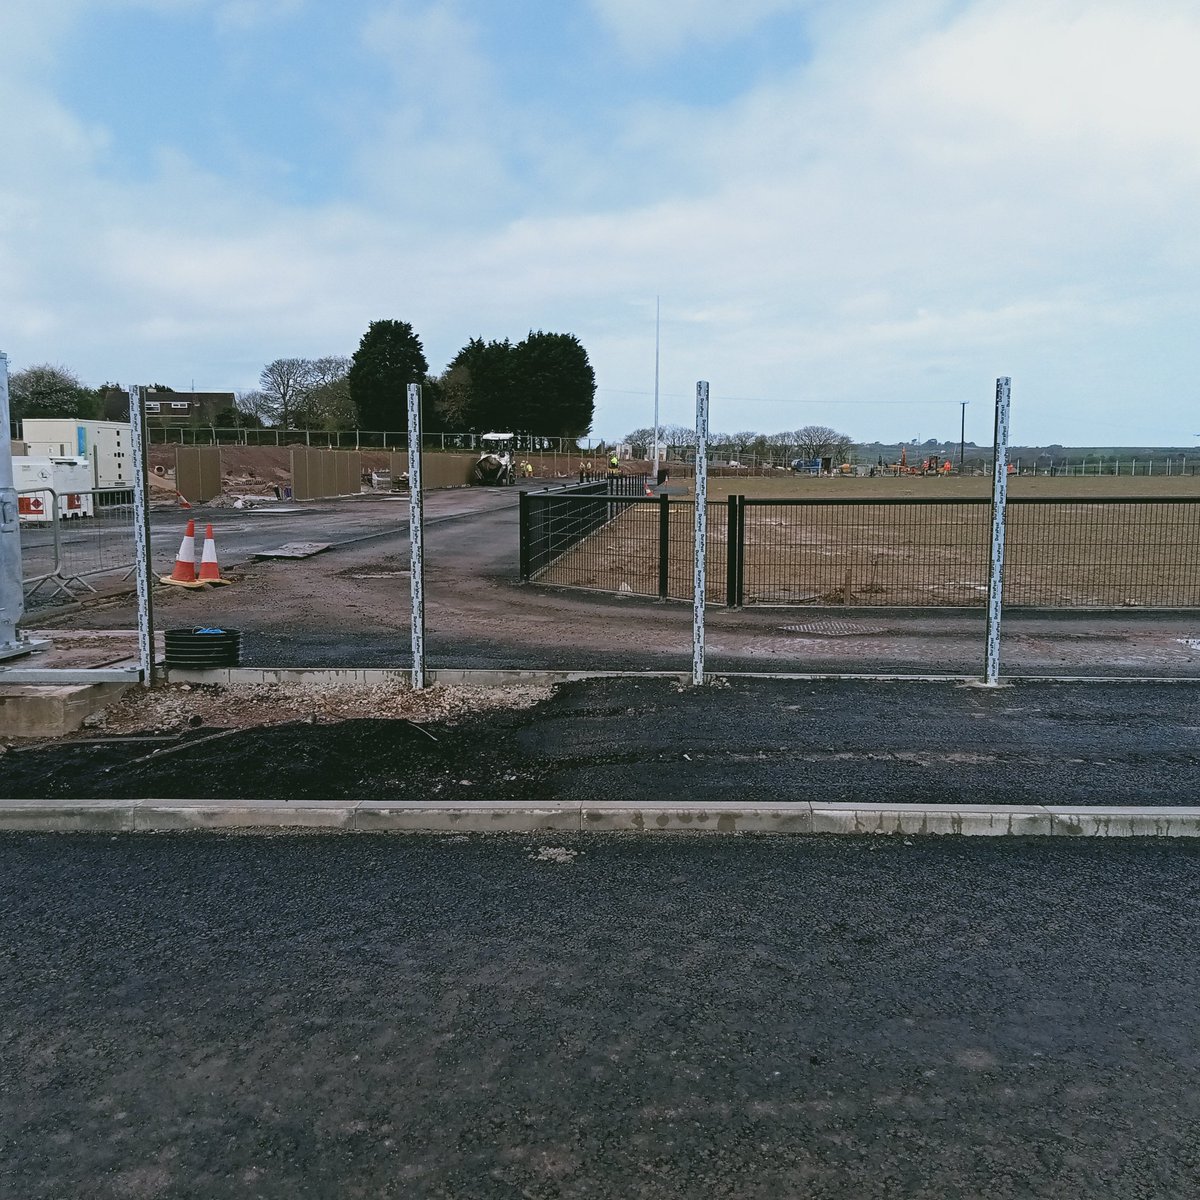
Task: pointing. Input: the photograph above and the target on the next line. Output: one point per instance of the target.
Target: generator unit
(68, 478)
(105, 444)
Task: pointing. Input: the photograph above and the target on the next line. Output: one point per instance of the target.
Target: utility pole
(962, 435)
(656, 343)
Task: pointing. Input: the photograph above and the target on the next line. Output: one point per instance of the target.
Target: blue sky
(856, 212)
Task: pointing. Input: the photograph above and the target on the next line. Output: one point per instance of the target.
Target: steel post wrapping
(698, 581)
(141, 535)
(12, 599)
(999, 499)
(416, 546)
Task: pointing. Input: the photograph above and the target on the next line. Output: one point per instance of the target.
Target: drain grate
(832, 629)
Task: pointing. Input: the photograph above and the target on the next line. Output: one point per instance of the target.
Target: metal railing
(910, 552)
(629, 543)
(69, 538)
(555, 521)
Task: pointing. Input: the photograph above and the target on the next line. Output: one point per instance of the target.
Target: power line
(780, 400)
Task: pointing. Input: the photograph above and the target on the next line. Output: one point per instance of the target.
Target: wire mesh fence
(630, 544)
(912, 552)
(1103, 553)
(69, 538)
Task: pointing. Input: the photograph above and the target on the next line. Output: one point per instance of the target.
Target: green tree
(389, 357)
(554, 384)
(47, 390)
(481, 378)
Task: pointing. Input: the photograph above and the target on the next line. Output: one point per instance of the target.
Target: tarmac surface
(653, 739)
(334, 1016)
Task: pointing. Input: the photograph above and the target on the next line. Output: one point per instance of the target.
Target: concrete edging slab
(950, 820)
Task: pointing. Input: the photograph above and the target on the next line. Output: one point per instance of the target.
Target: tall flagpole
(656, 427)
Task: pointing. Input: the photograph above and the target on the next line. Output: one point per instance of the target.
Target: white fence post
(12, 596)
(416, 547)
(999, 500)
(698, 583)
(141, 535)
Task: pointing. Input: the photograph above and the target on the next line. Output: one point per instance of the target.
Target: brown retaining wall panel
(198, 472)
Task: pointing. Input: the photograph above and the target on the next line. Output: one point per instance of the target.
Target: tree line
(811, 441)
(543, 384)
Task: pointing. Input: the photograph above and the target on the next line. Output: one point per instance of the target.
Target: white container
(105, 444)
(70, 478)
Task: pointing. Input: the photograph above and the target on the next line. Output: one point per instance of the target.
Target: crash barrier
(66, 539)
(556, 521)
(912, 553)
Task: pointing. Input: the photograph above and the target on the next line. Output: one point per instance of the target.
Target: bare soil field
(913, 541)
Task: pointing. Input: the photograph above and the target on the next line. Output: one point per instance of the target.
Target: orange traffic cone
(183, 500)
(649, 490)
(209, 571)
(184, 574)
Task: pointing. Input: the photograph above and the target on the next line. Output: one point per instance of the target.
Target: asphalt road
(366, 1016)
(753, 741)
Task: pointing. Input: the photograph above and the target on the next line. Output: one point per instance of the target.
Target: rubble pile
(182, 706)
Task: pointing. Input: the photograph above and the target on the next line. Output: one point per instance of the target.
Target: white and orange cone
(209, 571)
(184, 574)
(649, 490)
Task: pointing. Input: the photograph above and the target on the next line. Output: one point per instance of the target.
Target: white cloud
(921, 207)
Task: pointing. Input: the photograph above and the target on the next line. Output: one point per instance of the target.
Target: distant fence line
(356, 439)
(905, 552)
(677, 455)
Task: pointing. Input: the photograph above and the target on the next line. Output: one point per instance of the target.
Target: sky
(856, 213)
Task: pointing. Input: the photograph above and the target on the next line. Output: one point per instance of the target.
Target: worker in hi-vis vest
(614, 466)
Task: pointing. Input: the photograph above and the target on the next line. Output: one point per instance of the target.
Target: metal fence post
(523, 536)
(999, 499)
(12, 596)
(664, 546)
(731, 552)
(141, 535)
(416, 536)
(698, 581)
(739, 598)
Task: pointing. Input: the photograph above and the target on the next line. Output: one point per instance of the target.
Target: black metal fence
(555, 521)
(911, 552)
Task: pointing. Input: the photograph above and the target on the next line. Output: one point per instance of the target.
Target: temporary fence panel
(198, 472)
(324, 474)
(60, 556)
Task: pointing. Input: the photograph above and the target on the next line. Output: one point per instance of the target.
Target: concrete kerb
(909, 820)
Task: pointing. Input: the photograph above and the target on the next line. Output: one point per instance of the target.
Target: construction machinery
(495, 465)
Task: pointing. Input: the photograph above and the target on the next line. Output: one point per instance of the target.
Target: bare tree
(285, 382)
(325, 401)
(255, 404)
(819, 441)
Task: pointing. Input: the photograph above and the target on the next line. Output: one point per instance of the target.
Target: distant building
(170, 408)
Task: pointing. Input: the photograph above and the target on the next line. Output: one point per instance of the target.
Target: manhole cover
(831, 629)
